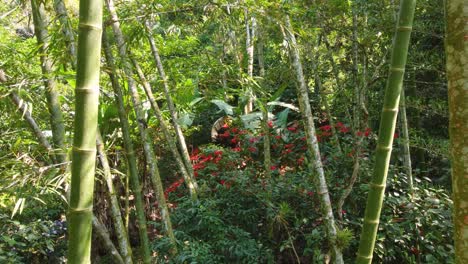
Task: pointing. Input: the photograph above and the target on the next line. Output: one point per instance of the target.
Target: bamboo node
(364, 257)
(390, 110)
(379, 147)
(397, 69)
(86, 90)
(380, 186)
(404, 28)
(83, 150)
(89, 26)
(376, 222)
(81, 210)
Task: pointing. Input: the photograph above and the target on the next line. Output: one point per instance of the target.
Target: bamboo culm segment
(52, 95)
(85, 129)
(129, 151)
(312, 145)
(147, 145)
(386, 131)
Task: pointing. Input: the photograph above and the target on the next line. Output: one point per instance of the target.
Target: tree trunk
(84, 141)
(52, 95)
(130, 153)
(386, 131)
(313, 146)
(147, 145)
(457, 76)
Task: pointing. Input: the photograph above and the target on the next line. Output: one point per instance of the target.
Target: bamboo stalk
(52, 95)
(129, 153)
(386, 131)
(122, 238)
(313, 146)
(84, 142)
(171, 107)
(147, 145)
(166, 133)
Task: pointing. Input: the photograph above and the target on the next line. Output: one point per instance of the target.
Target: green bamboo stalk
(386, 131)
(84, 142)
(405, 142)
(147, 145)
(312, 144)
(167, 135)
(456, 46)
(52, 95)
(122, 238)
(172, 110)
(62, 15)
(103, 234)
(21, 105)
(323, 97)
(129, 153)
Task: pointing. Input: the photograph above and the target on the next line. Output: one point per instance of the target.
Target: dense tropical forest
(233, 131)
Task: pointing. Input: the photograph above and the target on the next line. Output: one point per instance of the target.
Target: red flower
(252, 149)
(339, 124)
(395, 136)
(234, 130)
(273, 167)
(288, 146)
(300, 161)
(225, 134)
(325, 128)
(198, 166)
(225, 126)
(270, 124)
(233, 141)
(344, 129)
(310, 193)
(359, 134)
(278, 137)
(292, 129)
(253, 139)
(218, 152)
(236, 149)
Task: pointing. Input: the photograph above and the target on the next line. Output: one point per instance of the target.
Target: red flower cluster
(364, 133)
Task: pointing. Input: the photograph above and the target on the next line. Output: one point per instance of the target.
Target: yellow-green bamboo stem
(147, 145)
(313, 146)
(129, 153)
(80, 211)
(167, 135)
(120, 231)
(170, 104)
(52, 95)
(386, 131)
